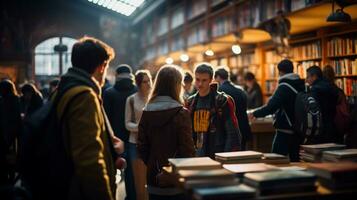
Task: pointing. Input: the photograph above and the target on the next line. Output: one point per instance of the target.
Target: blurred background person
(187, 81)
(254, 92)
(31, 99)
(165, 132)
(133, 111)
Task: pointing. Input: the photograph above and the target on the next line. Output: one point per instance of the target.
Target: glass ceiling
(125, 7)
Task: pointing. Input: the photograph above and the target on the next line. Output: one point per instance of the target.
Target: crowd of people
(146, 121)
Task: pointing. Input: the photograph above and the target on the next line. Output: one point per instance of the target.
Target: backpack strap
(283, 110)
(289, 86)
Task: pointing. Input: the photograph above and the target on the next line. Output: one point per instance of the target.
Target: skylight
(125, 7)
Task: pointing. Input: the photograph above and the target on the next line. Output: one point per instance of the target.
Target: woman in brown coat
(164, 131)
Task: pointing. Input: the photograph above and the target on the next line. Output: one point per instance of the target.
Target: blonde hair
(168, 82)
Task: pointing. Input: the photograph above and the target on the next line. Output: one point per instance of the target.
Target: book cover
(238, 155)
(319, 148)
(344, 153)
(281, 178)
(245, 168)
(226, 192)
(194, 163)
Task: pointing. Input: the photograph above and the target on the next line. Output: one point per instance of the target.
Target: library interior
(178, 99)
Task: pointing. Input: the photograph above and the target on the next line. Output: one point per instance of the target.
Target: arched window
(53, 56)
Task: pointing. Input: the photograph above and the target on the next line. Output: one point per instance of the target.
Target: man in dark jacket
(326, 94)
(239, 96)
(114, 99)
(282, 103)
(214, 123)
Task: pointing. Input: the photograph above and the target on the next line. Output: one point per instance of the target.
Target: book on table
(231, 192)
(194, 163)
(240, 169)
(340, 155)
(273, 158)
(279, 182)
(336, 175)
(239, 157)
(319, 148)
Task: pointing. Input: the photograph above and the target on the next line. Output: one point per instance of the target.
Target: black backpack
(45, 165)
(308, 118)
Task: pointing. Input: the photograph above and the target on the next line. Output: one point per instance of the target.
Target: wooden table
(262, 135)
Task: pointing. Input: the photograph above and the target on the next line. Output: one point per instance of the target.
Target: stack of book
(240, 191)
(206, 178)
(340, 155)
(239, 157)
(273, 158)
(313, 153)
(336, 175)
(241, 169)
(201, 163)
(281, 182)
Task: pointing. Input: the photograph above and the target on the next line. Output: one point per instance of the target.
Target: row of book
(177, 43)
(196, 8)
(197, 35)
(178, 17)
(163, 48)
(327, 152)
(342, 46)
(307, 51)
(303, 66)
(163, 25)
(348, 85)
(345, 66)
(222, 26)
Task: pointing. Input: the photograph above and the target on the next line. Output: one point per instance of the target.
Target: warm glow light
(209, 52)
(125, 7)
(236, 49)
(169, 60)
(184, 57)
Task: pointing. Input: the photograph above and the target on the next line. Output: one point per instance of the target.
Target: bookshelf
(342, 56)
(197, 34)
(306, 55)
(197, 8)
(222, 25)
(178, 17)
(271, 72)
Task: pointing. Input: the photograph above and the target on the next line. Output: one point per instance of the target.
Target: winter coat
(164, 132)
(223, 133)
(240, 99)
(282, 103)
(114, 100)
(254, 97)
(88, 137)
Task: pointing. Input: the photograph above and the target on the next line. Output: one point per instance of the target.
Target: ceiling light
(125, 7)
(236, 49)
(209, 52)
(169, 60)
(184, 57)
(339, 15)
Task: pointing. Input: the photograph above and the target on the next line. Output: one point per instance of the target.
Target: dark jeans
(128, 175)
(166, 197)
(286, 144)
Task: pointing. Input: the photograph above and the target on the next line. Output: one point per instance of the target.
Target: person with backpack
(165, 132)
(133, 111)
(214, 123)
(343, 116)
(114, 99)
(326, 94)
(73, 154)
(239, 96)
(282, 104)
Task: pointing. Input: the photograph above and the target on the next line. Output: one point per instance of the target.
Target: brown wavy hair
(168, 82)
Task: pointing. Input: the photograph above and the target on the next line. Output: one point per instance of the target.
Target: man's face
(187, 86)
(202, 81)
(310, 79)
(101, 73)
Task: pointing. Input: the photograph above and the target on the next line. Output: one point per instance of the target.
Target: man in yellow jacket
(87, 133)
